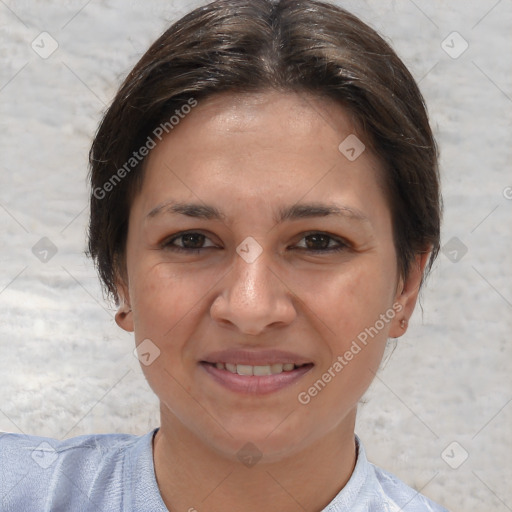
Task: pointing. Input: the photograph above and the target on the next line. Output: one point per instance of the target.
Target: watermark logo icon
(249, 250)
(44, 45)
(454, 45)
(146, 352)
(351, 147)
(454, 455)
(44, 250)
(249, 455)
(454, 249)
(44, 455)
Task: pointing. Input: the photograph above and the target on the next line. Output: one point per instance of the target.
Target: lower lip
(255, 384)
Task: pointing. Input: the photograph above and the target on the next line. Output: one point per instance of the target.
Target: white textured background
(65, 367)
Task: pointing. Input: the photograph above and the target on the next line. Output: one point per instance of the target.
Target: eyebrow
(293, 212)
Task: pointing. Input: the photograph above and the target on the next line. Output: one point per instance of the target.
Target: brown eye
(322, 242)
(193, 240)
(190, 242)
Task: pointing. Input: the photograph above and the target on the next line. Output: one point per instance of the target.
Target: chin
(271, 440)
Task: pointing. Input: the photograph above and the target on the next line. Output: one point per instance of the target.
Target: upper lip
(254, 357)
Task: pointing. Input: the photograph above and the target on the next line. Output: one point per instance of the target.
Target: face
(258, 257)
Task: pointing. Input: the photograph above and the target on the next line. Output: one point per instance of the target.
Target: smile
(255, 380)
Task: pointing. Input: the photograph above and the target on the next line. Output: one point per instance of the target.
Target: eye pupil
(315, 238)
(197, 240)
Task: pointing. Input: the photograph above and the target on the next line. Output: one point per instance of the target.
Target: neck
(193, 476)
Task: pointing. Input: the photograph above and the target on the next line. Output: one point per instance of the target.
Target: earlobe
(124, 315)
(407, 295)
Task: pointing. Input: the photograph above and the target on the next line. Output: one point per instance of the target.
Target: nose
(253, 298)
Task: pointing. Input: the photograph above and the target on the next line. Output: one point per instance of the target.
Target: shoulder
(40, 473)
(19, 450)
(398, 495)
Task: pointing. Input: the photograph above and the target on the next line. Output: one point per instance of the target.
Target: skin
(249, 155)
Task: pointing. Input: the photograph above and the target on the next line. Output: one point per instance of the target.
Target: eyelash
(168, 243)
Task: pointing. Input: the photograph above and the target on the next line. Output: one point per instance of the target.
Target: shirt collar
(145, 495)
(350, 496)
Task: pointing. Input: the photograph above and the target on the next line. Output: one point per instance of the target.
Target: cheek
(350, 306)
(165, 303)
(160, 298)
(347, 298)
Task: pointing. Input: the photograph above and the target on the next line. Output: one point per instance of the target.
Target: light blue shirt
(115, 473)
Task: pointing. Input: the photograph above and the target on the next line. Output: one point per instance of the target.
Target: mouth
(250, 373)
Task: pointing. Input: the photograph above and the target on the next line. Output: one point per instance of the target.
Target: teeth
(261, 370)
(246, 369)
(276, 368)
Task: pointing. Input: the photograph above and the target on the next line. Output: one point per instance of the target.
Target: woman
(265, 206)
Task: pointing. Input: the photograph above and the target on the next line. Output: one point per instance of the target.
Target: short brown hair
(256, 45)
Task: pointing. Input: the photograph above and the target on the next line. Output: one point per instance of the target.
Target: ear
(407, 295)
(124, 315)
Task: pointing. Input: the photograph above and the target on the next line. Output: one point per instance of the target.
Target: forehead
(289, 116)
(258, 147)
